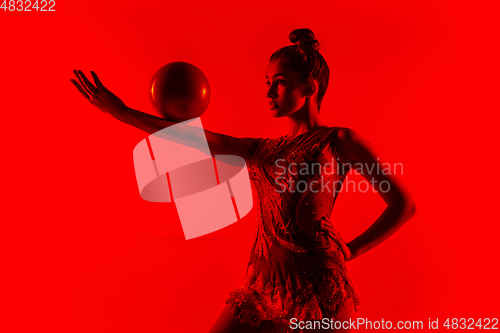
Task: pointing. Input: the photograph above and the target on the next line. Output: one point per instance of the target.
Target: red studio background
(82, 252)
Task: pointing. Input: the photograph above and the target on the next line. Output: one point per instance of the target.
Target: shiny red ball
(180, 91)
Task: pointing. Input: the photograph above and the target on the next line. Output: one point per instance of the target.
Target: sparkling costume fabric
(294, 271)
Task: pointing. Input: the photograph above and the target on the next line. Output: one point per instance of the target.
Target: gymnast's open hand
(98, 95)
(327, 226)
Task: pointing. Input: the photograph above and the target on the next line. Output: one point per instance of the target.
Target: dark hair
(305, 58)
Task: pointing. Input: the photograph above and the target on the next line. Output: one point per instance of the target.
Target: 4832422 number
(28, 6)
(470, 324)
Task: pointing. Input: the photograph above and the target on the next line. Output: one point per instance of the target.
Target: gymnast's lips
(273, 105)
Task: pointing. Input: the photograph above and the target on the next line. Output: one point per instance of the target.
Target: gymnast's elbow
(408, 208)
(405, 207)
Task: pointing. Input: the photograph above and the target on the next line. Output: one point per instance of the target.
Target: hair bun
(304, 38)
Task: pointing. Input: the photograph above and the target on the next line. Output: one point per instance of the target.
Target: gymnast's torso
(294, 271)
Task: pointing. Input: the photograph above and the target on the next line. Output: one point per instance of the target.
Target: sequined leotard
(294, 271)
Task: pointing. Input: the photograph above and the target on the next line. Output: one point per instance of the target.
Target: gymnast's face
(285, 89)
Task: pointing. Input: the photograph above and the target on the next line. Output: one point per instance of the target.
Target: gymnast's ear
(311, 88)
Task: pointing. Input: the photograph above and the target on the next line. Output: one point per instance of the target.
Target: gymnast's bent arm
(356, 152)
(219, 144)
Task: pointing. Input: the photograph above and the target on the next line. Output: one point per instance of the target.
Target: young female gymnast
(296, 270)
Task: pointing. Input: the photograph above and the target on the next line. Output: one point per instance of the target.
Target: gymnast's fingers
(89, 84)
(98, 82)
(77, 85)
(327, 225)
(82, 84)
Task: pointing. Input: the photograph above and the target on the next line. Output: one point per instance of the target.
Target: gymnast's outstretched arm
(219, 144)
